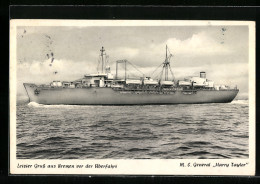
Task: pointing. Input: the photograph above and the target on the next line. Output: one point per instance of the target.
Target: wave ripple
(153, 132)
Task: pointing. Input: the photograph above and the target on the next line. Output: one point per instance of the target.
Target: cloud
(124, 53)
(199, 44)
(200, 47)
(42, 73)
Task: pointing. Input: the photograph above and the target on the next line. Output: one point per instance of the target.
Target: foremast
(105, 68)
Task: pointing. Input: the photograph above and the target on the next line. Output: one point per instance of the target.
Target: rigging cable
(156, 70)
(135, 67)
(172, 73)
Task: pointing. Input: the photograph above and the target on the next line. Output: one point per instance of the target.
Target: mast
(166, 52)
(116, 68)
(166, 67)
(166, 64)
(163, 75)
(125, 70)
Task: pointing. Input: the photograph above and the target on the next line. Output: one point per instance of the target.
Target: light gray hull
(108, 96)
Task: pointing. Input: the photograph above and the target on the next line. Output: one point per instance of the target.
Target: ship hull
(108, 96)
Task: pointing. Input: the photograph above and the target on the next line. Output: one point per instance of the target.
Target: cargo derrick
(147, 84)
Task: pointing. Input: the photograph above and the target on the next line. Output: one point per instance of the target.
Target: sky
(222, 52)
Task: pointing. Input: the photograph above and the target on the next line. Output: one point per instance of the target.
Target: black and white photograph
(132, 97)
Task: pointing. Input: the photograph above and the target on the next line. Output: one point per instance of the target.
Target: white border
(130, 166)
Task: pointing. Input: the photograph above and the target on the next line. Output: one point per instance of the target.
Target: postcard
(132, 97)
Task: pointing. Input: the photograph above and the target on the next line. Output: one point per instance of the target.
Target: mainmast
(163, 75)
(166, 64)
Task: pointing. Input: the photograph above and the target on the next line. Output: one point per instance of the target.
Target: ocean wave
(203, 131)
(35, 104)
(246, 102)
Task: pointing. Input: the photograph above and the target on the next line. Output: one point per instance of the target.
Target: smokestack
(203, 75)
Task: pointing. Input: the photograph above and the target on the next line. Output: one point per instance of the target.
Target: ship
(104, 88)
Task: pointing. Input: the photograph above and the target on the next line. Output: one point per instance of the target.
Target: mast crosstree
(104, 59)
(166, 67)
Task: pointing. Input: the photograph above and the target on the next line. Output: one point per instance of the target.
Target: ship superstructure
(104, 88)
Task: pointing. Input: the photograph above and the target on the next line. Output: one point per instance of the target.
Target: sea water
(185, 131)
